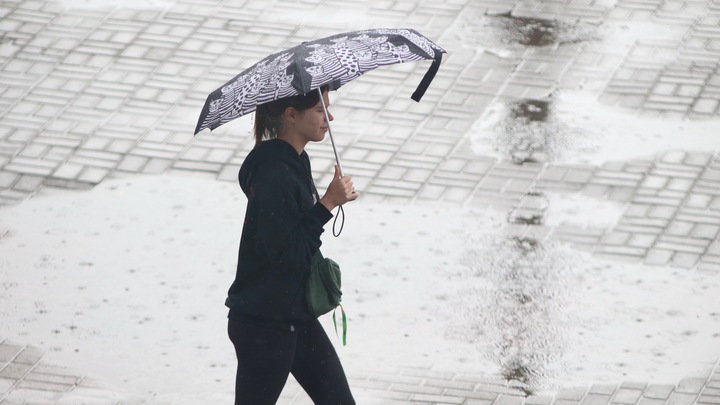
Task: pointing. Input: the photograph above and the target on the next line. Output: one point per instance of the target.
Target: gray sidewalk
(95, 93)
(101, 92)
(27, 380)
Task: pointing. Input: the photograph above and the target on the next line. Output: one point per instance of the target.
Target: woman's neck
(294, 141)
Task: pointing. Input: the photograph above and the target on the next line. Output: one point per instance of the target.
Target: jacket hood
(261, 153)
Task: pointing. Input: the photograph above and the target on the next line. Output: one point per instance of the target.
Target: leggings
(267, 355)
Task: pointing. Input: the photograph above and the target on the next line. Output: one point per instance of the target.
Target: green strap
(344, 324)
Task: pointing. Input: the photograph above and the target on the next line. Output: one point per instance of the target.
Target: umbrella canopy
(331, 61)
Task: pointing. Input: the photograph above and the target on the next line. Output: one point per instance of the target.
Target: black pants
(267, 355)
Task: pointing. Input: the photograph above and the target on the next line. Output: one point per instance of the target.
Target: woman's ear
(290, 114)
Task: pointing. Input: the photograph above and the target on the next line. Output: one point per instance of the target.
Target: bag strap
(344, 324)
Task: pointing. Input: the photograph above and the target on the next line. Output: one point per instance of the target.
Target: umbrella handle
(332, 140)
(341, 212)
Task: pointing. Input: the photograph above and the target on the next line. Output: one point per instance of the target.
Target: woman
(269, 323)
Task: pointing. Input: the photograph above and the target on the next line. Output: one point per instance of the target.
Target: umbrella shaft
(332, 140)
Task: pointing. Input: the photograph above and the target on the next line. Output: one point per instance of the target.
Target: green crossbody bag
(324, 291)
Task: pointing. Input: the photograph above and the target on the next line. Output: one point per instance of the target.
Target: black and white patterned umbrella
(331, 61)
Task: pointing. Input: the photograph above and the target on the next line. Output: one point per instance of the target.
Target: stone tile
(681, 399)
(5, 385)
(627, 396)
(705, 231)
(691, 385)
(29, 355)
(603, 389)
(15, 370)
(414, 388)
(509, 400)
(574, 393)
(657, 391)
(9, 351)
(7, 179)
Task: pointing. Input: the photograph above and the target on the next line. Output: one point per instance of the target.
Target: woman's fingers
(350, 188)
(347, 184)
(340, 191)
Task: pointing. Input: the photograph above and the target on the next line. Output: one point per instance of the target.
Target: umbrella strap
(428, 78)
(341, 212)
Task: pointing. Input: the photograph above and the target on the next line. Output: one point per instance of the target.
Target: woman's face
(311, 124)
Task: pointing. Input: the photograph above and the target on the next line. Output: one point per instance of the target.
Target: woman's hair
(269, 116)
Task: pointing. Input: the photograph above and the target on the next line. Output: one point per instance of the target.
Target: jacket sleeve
(287, 235)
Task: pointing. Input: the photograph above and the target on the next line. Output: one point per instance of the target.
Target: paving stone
(9, 351)
(681, 399)
(626, 396)
(573, 393)
(709, 399)
(15, 370)
(642, 240)
(29, 355)
(658, 391)
(699, 201)
(621, 252)
(131, 163)
(8, 179)
(691, 385)
(659, 257)
(5, 385)
(414, 388)
(68, 171)
(538, 400)
(685, 260)
(597, 398)
(37, 385)
(656, 182)
(38, 397)
(705, 231)
(698, 218)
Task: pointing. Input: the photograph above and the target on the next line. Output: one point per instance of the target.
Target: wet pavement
(93, 91)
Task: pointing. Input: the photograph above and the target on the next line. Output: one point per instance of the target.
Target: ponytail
(259, 130)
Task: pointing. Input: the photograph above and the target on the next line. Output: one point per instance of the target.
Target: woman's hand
(340, 191)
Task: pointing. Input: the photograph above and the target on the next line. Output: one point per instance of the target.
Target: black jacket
(281, 232)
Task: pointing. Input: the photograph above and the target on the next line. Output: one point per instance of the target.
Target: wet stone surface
(510, 29)
(519, 316)
(531, 210)
(530, 133)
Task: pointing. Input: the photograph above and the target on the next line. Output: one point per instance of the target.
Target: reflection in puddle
(509, 30)
(520, 318)
(529, 132)
(516, 33)
(537, 31)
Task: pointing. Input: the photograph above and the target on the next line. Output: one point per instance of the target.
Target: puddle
(528, 31)
(510, 32)
(544, 315)
(531, 209)
(522, 131)
(519, 316)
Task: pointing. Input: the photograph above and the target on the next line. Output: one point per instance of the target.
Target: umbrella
(331, 61)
